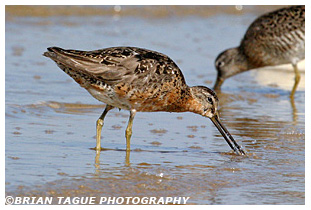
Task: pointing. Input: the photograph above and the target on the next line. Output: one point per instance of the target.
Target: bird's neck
(242, 61)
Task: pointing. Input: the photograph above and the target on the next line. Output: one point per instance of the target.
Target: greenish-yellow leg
(128, 131)
(99, 126)
(297, 79)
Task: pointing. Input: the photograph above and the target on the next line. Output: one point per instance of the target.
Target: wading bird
(137, 80)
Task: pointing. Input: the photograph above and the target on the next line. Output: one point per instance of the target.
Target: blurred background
(50, 120)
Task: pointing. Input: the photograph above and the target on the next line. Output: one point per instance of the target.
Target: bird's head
(229, 63)
(205, 102)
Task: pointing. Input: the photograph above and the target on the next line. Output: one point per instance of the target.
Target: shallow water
(50, 120)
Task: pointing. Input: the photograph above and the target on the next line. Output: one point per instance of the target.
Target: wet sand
(134, 11)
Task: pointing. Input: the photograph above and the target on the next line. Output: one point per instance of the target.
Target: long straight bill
(218, 82)
(227, 136)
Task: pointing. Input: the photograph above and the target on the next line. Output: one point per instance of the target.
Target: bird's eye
(220, 64)
(210, 100)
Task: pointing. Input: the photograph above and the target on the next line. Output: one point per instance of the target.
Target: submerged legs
(128, 131)
(297, 79)
(99, 126)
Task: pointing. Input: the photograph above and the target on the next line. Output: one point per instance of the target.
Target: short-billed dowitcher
(140, 80)
(272, 39)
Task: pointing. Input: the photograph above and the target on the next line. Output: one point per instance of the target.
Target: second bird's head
(229, 63)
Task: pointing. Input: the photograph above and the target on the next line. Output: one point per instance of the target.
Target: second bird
(272, 39)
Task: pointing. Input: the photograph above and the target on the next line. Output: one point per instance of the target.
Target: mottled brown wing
(119, 64)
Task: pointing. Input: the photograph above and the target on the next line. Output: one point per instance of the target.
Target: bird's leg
(99, 126)
(128, 131)
(127, 158)
(297, 79)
